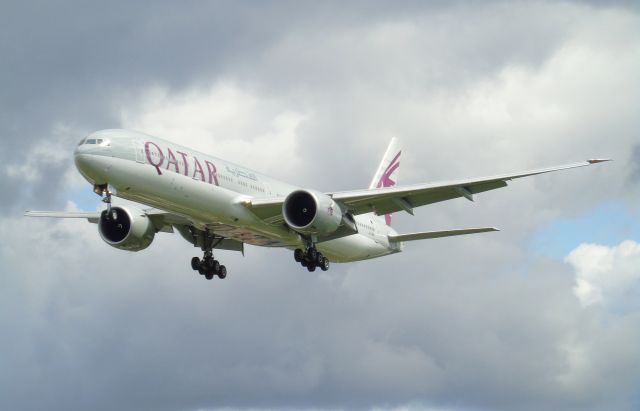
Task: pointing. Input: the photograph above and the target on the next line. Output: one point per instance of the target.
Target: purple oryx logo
(386, 181)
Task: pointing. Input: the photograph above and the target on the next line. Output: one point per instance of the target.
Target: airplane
(217, 205)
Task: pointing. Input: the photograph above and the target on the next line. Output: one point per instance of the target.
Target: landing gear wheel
(311, 268)
(213, 266)
(298, 255)
(319, 259)
(304, 263)
(324, 266)
(207, 265)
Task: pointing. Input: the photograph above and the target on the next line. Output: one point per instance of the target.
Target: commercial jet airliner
(215, 204)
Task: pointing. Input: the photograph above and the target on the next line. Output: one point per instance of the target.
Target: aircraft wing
(164, 221)
(92, 217)
(161, 219)
(406, 198)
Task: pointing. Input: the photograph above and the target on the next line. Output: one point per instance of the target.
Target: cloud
(635, 164)
(224, 120)
(605, 274)
(311, 94)
(359, 335)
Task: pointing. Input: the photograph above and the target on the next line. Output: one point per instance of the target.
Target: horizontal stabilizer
(425, 235)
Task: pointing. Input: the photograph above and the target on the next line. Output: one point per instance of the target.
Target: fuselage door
(139, 149)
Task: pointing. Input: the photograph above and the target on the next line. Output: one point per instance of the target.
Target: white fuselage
(210, 192)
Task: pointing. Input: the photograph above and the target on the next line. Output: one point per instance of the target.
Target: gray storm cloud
(311, 93)
(635, 164)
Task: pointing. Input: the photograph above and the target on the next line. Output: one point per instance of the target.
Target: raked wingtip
(598, 160)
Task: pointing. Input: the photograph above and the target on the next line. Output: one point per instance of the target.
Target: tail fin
(387, 173)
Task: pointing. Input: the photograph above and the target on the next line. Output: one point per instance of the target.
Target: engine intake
(126, 229)
(311, 212)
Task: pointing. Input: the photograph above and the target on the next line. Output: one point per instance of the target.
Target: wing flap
(426, 235)
(230, 245)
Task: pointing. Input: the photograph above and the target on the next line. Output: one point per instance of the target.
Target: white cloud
(604, 273)
(51, 151)
(471, 322)
(225, 120)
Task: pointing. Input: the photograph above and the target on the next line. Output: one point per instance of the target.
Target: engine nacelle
(126, 229)
(311, 212)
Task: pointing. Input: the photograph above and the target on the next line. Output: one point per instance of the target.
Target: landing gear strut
(103, 191)
(208, 266)
(311, 258)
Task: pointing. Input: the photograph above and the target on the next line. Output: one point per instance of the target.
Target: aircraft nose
(90, 166)
(91, 157)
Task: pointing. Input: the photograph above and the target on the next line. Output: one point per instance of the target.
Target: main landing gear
(208, 266)
(311, 259)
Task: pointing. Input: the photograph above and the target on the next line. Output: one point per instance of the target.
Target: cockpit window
(98, 141)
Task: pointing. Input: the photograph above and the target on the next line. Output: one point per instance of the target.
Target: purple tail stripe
(386, 181)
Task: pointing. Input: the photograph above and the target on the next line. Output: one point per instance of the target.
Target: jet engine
(311, 212)
(126, 229)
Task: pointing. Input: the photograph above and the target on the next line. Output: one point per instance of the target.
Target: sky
(541, 315)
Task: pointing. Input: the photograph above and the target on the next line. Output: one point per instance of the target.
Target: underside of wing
(165, 220)
(225, 237)
(267, 209)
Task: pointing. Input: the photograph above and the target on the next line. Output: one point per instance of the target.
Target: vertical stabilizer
(387, 173)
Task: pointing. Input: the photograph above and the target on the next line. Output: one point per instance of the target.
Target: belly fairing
(352, 248)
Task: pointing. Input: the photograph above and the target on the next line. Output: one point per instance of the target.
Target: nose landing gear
(103, 191)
